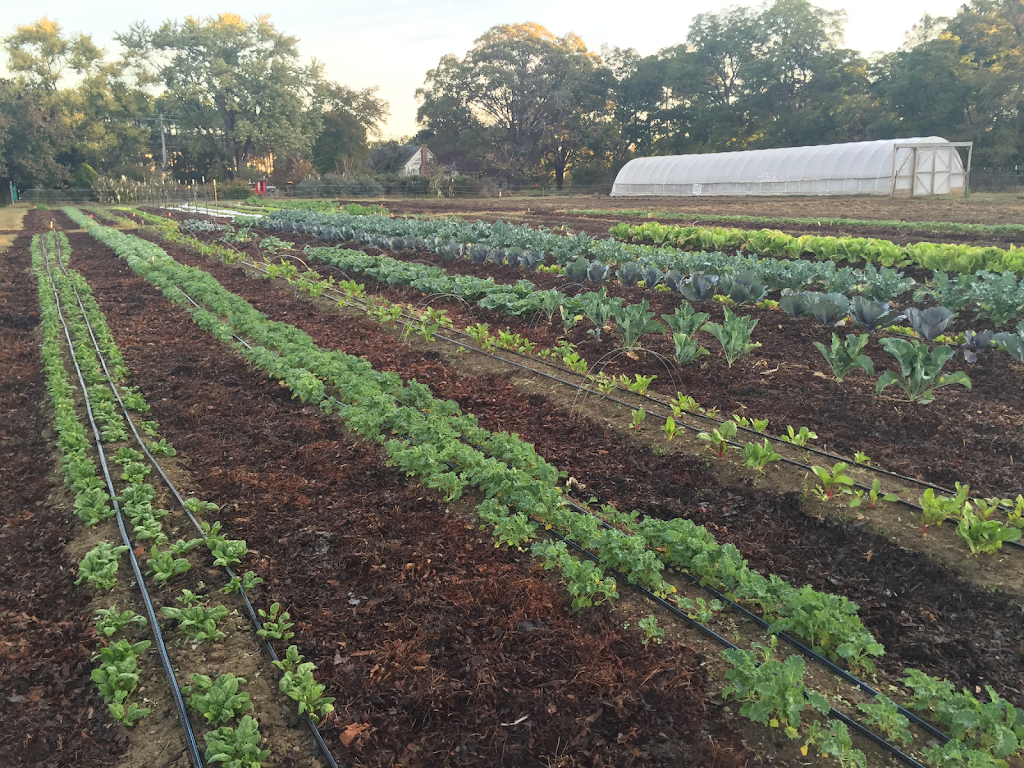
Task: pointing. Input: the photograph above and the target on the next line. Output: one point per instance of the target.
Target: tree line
(526, 102)
(232, 98)
(227, 98)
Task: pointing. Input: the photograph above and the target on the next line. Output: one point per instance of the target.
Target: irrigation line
(793, 462)
(677, 612)
(190, 739)
(253, 618)
(833, 713)
(779, 440)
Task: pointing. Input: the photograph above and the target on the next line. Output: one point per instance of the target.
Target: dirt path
(51, 712)
(435, 643)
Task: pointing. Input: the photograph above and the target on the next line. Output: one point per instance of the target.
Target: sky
(392, 44)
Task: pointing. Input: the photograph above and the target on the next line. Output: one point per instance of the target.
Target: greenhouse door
(929, 169)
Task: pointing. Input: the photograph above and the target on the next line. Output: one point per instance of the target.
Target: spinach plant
(236, 747)
(217, 700)
(99, 566)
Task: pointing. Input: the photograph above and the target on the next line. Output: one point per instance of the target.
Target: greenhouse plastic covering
(883, 167)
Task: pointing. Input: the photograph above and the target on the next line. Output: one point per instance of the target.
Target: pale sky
(393, 43)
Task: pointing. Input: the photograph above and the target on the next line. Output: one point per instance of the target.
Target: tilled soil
(971, 436)
(51, 712)
(926, 616)
(441, 649)
(988, 209)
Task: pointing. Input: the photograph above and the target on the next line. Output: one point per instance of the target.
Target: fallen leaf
(869, 554)
(349, 734)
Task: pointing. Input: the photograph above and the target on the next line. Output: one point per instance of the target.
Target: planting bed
(50, 712)
(431, 638)
(556, 212)
(975, 437)
(922, 613)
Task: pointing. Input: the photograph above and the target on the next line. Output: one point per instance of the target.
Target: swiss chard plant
(719, 437)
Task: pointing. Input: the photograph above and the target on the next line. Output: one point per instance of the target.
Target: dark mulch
(429, 636)
(51, 713)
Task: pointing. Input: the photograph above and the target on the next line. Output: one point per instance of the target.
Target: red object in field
(260, 187)
(90, 216)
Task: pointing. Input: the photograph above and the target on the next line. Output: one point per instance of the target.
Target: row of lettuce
(219, 701)
(448, 451)
(996, 296)
(947, 257)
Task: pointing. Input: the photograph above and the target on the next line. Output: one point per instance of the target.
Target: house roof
(404, 154)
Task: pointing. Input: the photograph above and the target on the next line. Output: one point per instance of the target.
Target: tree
(237, 87)
(349, 119)
(40, 53)
(515, 92)
(31, 138)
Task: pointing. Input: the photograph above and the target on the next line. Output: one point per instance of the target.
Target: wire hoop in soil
(586, 388)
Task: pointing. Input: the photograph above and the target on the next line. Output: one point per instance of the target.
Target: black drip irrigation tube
(190, 738)
(680, 614)
(733, 443)
(253, 618)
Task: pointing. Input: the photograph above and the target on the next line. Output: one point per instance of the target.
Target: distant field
(977, 209)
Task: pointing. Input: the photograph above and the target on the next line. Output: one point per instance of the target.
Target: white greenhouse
(896, 167)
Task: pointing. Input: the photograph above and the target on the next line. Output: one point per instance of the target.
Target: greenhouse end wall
(899, 167)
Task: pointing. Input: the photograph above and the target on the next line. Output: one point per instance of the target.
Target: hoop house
(900, 167)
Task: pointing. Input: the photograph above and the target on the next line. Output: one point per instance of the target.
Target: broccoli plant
(844, 357)
(734, 335)
(920, 370)
(635, 321)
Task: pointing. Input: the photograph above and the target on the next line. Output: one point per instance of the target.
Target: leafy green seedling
(832, 481)
(217, 700)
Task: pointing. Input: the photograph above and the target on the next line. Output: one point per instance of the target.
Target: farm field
(557, 211)
(440, 646)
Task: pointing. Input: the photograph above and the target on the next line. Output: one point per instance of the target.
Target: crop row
(435, 442)
(810, 221)
(996, 297)
(948, 257)
(218, 700)
(919, 377)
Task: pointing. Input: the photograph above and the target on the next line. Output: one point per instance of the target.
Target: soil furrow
(435, 643)
(926, 616)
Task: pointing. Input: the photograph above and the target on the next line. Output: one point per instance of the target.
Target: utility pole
(163, 144)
